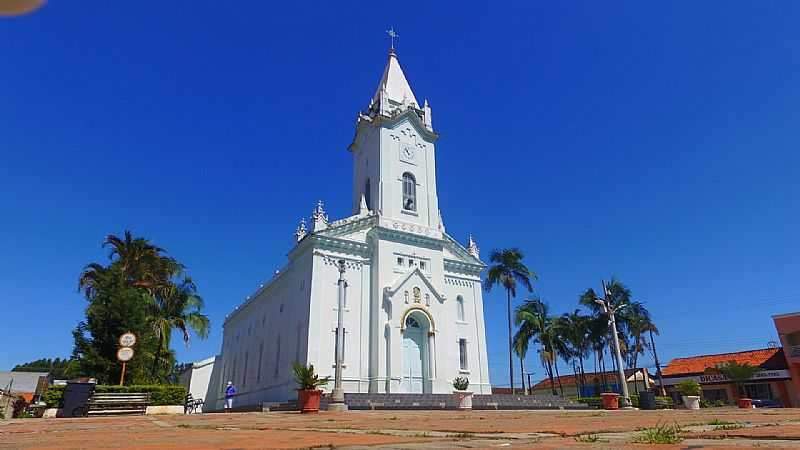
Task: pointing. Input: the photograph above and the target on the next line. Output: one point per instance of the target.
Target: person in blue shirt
(230, 391)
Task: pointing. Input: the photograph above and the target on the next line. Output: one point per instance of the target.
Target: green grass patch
(660, 434)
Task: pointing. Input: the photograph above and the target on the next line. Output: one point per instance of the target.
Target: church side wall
(263, 338)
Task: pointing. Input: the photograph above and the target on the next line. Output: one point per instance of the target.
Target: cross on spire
(392, 35)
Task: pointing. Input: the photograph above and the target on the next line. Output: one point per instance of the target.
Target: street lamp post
(611, 311)
(337, 396)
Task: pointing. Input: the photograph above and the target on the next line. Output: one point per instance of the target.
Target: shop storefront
(773, 382)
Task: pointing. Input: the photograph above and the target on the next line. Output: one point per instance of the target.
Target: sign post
(125, 352)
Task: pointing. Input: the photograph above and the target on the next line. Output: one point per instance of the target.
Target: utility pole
(611, 311)
(337, 396)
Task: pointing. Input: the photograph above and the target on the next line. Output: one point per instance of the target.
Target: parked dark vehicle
(765, 403)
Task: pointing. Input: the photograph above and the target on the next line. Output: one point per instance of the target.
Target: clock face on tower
(407, 153)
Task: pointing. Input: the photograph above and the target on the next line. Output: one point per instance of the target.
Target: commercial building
(773, 382)
(788, 327)
(594, 383)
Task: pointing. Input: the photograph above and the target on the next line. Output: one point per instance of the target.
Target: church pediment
(414, 288)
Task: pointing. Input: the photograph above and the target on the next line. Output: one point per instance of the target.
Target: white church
(413, 315)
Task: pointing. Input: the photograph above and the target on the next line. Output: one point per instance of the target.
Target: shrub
(689, 388)
(54, 397)
(160, 394)
(664, 403)
(461, 383)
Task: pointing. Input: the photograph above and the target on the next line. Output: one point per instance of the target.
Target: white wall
(265, 336)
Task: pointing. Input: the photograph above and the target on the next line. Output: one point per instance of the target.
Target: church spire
(394, 86)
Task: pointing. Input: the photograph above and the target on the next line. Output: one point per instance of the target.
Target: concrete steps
(357, 401)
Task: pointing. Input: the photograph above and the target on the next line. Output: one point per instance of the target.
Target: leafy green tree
(114, 308)
(507, 270)
(143, 291)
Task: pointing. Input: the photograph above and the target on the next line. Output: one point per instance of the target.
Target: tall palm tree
(508, 270)
(177, 309)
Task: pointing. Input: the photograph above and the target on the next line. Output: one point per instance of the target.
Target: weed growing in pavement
(660, 434)
(720, 422)
(463, 435)
(729, 426)
(184, 425)
(589, 438)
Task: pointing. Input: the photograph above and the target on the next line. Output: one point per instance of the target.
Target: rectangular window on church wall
(462, 353)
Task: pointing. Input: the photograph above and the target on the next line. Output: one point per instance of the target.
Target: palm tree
(617, 294)
(507, 270)
(535, 323)
(178, 309)
(574, 330)
(521, 340)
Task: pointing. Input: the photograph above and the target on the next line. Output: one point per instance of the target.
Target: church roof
(393, 85)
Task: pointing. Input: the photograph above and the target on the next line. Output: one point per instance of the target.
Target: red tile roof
(570, 380)
(767, 358)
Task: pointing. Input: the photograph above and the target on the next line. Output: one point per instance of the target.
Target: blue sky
(655, 143)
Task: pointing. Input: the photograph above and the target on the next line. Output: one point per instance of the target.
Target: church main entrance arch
(416, 370)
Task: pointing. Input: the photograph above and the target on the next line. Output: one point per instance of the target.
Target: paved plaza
(711, 428)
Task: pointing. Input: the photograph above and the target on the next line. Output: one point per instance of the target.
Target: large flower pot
(308, 400)
(463, 399)
(691, 401)
(610, 400)
(745, 403)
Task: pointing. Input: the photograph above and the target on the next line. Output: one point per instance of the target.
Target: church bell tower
(394, 157)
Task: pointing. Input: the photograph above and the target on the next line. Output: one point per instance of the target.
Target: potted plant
(690, 393)
(739, 374)
(463, 396)
(610, 400)
(309, 392)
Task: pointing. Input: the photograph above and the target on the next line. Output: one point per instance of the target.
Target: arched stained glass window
(409, 192)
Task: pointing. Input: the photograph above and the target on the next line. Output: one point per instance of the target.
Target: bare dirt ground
(711, 428)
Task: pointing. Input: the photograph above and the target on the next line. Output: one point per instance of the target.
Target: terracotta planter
(610, 400)
(308, 400)
(745, 403)
(464, 399)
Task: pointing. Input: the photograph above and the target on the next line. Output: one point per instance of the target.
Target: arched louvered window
(409, 192)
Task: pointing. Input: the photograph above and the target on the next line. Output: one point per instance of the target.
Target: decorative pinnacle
(472, 247)
(301, 230)
(319, 213)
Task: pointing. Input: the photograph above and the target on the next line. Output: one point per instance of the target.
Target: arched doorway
(415, 353)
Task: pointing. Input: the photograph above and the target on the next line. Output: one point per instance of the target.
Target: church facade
(413, 312)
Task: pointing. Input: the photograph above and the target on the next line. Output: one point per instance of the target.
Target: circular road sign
(125, 354)
(127, 340)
